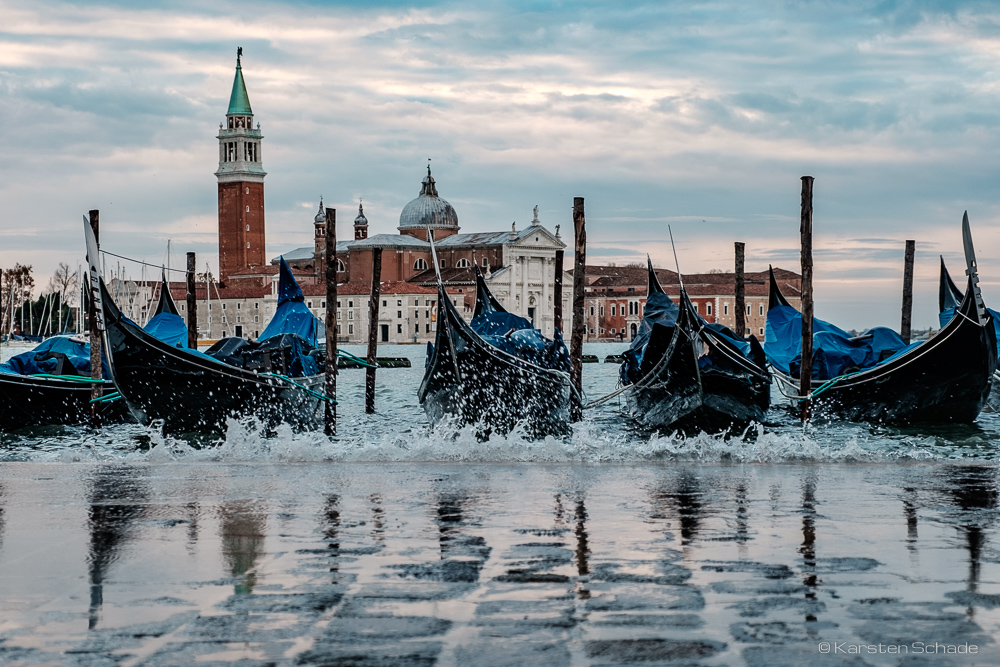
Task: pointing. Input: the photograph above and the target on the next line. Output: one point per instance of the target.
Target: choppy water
(396, 544)
(399, 432)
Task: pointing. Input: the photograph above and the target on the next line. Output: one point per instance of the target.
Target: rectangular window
(350, 328)
(761, 309)
(416, 302)
(748, 309)
(322, 304)
(695, 304)
(416, 314)
(239, 319)
(339, 313)
(399, 328)
(591, 331)
(384, 303)
(338, 304)
(602, 331)
(602, 315)
(612, 332)
(725, 309)
(427, 314)
(708, 308)
(350, 314)
(223, 306)
(762, 331)
(591, 314)
(256, 318)
(399, 302)
(350, 304)
(614, 313)
(210, 306)
(399, 314)
(427, 302)
(237, 306)
(257, 304)
(416, 328)
(428, 328)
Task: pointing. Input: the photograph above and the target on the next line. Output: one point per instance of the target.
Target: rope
(114, 396)
(139, 261)
(285, 378)
(605, 399)
(71, 378)
(358, 360)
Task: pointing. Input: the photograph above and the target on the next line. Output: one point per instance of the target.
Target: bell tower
(241, 185)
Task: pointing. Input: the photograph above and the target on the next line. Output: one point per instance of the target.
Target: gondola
(683, 374)
(277, 380)
(876, 377)
(51, 383)
(496, 372)
(949, 298)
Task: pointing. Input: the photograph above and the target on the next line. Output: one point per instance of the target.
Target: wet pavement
(260, 563)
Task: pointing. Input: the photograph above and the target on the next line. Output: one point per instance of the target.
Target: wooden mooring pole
(192, 303)
(741, 302)
(805, 234)
(330, 387)
(579, 323)
(904, 327)
(96, 373)
(373, 330)
(557, 300)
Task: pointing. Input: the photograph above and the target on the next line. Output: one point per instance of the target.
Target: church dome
(428, 210)
(321, 214)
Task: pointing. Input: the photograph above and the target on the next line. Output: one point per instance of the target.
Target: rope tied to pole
(311, 392)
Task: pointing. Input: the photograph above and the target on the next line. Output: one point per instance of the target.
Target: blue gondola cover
(291, 315)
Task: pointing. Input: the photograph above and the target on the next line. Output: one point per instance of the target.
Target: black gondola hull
(946, 379)
(190, 394)
(677, 395)
(27, 401)
(488, 388)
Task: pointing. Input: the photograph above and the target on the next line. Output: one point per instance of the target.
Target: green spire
(239, 101)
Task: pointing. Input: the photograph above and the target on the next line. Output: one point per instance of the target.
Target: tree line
(52, 312)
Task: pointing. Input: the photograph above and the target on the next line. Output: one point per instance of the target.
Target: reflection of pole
(331, 322)
(96, 375)
(579, 276)
(373, 330)
(582, 546)
(808, 548)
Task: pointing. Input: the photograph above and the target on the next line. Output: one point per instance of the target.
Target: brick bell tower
(241, 185)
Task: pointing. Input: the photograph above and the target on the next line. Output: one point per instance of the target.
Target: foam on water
(399, 432)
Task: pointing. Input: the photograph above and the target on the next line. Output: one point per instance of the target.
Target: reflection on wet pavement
(434, 564)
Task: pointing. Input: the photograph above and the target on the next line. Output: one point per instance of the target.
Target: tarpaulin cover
(44, 358)
(291, 315)
(169, 328)
(659, 309)
(515, 335)
(835, 352)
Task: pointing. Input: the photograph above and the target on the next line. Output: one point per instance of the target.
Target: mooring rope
(285, 378)
(357, 360)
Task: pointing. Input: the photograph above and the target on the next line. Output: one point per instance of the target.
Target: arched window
(486, 263)
(420, 264)
(340, 266)
(462, 264)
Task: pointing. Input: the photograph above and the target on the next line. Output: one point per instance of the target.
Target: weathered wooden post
(805, 234)
(96, 373)
(192, 303)
(331, 321)
(373, 330)
(579, 324)
(904, 327)
(557, 315)
(741, 302)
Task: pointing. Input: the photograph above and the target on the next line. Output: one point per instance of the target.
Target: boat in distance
(876, 377)
(497, 372)
(684, 374)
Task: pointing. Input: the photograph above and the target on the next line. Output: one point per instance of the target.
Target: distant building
(615, 297)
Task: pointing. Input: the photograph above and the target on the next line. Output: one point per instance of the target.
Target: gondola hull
(192, 394)
(945, 379)
(485, 387)
(27, 401)
(678, 395)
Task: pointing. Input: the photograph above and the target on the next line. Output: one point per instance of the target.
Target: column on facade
(524, 285)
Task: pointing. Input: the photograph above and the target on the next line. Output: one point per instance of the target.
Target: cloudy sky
(700, 115)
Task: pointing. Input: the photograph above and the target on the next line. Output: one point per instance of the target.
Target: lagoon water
(396, 544)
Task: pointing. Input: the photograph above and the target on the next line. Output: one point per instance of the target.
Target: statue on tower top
(239, 54)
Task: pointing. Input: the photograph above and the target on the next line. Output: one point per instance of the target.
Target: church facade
(519, 265)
